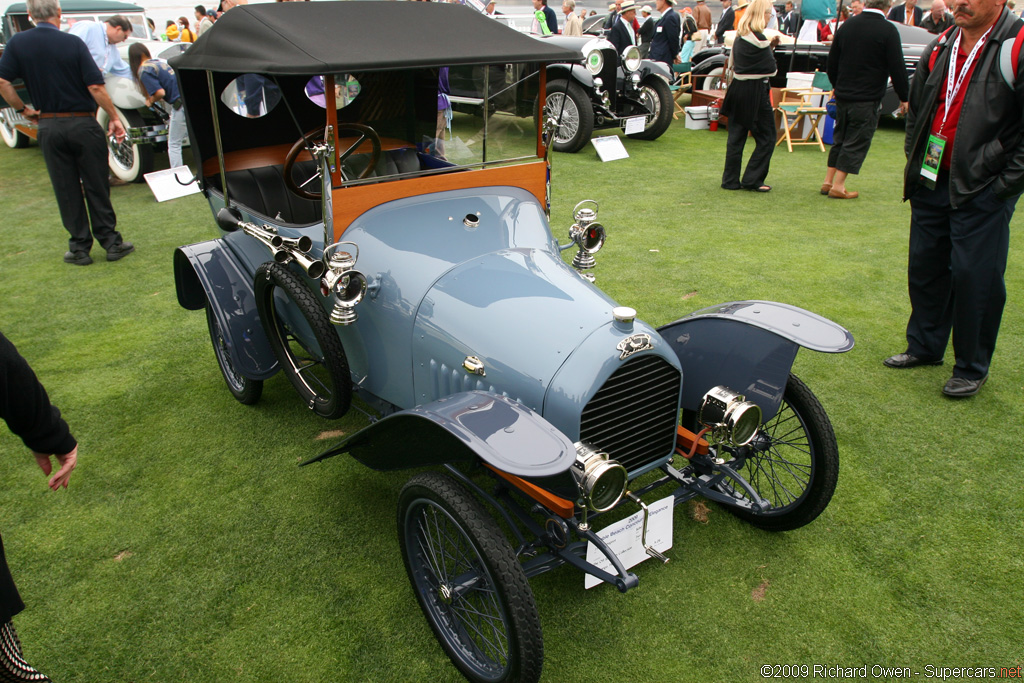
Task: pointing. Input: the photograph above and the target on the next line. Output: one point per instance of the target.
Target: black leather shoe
(960, 387)
(908, 360)
(119, 251)
(77, 258)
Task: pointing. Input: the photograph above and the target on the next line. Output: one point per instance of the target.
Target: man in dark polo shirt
(66, 86)
(866, 52)
(964, 175)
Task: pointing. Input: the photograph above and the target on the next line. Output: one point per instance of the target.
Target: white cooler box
(697, 118)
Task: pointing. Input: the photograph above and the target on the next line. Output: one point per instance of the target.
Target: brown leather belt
(66, 114)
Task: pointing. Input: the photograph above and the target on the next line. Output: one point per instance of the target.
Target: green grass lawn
(190, 547)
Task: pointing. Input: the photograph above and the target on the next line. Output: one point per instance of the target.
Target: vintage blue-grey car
(375, 251)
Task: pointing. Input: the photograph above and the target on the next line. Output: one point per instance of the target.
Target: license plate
(635, 125)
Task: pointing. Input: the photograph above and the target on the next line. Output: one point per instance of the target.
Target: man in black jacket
(622, 34)
(964, 174)
(725, 23)
(865, 54)
(26, 409)
(665, 44)
(908, 13)
(938, 20)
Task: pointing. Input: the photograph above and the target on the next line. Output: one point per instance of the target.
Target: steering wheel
(363, 133)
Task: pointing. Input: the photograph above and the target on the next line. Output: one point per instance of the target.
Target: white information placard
(610, 148)
(635, 124)
(625, 538)
(164, 184)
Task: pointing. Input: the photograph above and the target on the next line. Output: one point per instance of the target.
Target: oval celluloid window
(251, 96)
(346, 89)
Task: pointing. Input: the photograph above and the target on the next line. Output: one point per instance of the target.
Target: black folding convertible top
(295, 38)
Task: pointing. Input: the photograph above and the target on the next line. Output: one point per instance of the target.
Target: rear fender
(463, 428)
(748, 346)
(210, 272)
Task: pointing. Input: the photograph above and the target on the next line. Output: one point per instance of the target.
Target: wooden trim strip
(560, 506)
(352, 202)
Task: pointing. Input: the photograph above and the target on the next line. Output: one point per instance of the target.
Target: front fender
(649, 68)
(579, 74)
(749, 346)
(463, 428)
(210, 272)
(124, 93)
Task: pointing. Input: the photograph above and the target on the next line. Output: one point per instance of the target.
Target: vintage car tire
(437, 515)
(128, 161)
(657, 89)
(328, 391)
(244, 389)
(578, 114)
(13, 138)
(800, 440)
(715, 80)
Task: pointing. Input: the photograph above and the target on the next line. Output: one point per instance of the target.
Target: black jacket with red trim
(989, 145)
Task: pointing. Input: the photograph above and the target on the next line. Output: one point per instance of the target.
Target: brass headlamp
(601, 480)
(588, 235)
(347, 284)
(729, 417)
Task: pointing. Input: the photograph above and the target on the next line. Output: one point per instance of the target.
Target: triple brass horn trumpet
(287, 249)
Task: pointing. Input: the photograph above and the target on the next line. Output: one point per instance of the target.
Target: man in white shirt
(102, 37)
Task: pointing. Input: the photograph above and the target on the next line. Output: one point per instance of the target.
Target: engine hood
(522, 312)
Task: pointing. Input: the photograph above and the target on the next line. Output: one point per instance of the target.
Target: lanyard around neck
(953, 86)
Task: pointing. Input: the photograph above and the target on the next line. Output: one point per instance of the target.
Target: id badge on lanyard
(954, 81)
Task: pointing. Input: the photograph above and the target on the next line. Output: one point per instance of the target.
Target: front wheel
(303, 340)
(128, 161)
(13, 138)
(793, 463)
(468, 582)
(244, 389)
(576, 124)
(656, 98)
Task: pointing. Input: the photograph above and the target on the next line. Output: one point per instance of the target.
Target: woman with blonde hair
(748, 100)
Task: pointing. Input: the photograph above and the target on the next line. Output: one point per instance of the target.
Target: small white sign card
(610, 148)
(164, 184)
(625, 538)
(635, 124)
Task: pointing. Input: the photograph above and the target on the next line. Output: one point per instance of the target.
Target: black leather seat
(263, 190)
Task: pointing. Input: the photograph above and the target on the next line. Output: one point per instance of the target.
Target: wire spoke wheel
(793, 463)
(576, 123)
(127, 160)
(12, 137)
(570, 119)
(656, 100)
(304, 341)
(468, 582)
(244, 389)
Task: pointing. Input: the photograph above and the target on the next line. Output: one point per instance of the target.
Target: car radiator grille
(633, 417)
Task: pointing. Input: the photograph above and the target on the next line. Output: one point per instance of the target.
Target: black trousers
(855, 126)
(75, 151)
(10, 601)
(760, 122)
(955, 275)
